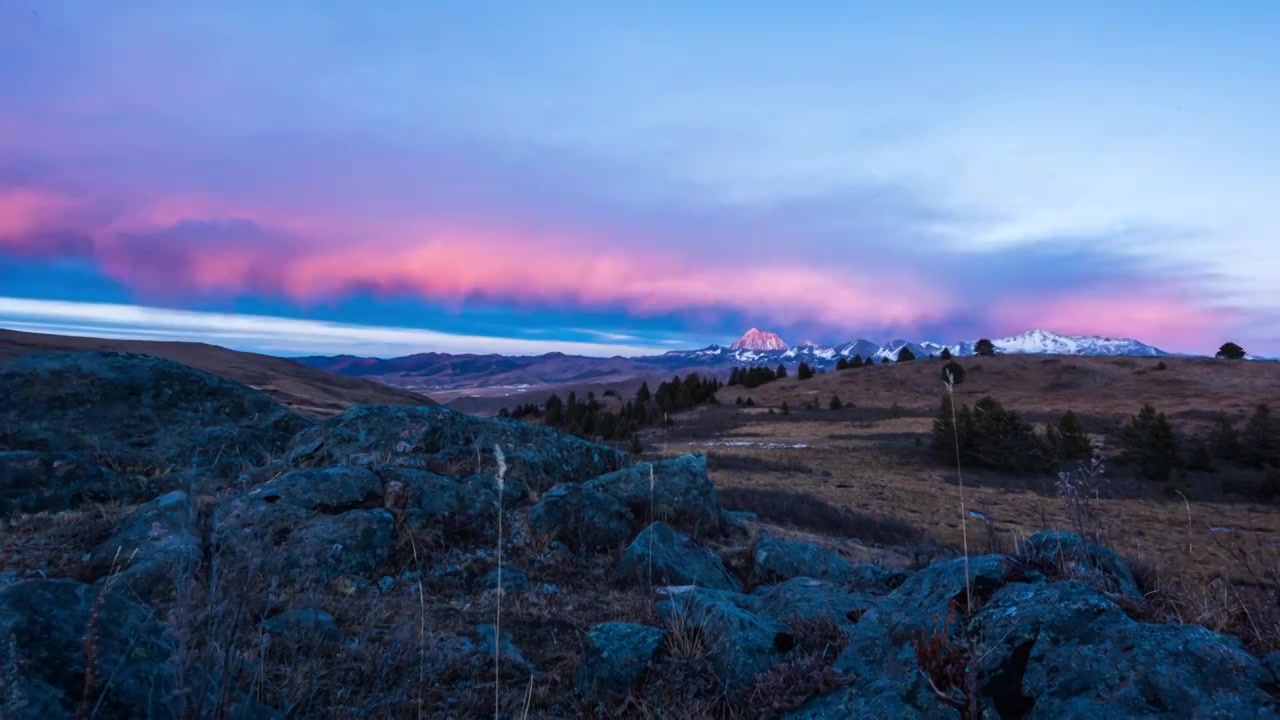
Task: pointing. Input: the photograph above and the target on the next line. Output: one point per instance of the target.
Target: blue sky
(617, 178)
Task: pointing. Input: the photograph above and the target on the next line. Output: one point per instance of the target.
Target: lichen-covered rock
(741, 643)
(678, 491)
(674, 559)
(154, 548)
(435, 504)
(583, 518)
(146, 414)
(804, 600)
(321, 523)
(43, 625)
(615, 658)
(32, 482)
(1063, 650)
(775, 560)
(1066, 553)
(451, 443)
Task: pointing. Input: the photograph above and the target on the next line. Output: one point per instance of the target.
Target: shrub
(1149, 442)
(786, 409)
(835, 402)
(1161, 366)
(1230, 351)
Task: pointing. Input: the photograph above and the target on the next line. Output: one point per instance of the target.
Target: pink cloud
(26, 211)
(182, 244)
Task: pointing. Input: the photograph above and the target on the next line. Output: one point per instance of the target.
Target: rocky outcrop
(143, 415)
(451, 443)
(157, 546)
(775, 560)
(33, 481)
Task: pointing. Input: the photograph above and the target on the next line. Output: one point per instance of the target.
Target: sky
(303, 177)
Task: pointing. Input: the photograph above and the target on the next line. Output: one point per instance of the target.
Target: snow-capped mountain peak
(759, 340)
(1041, 341)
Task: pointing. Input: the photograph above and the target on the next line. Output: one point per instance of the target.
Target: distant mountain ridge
(436, 372)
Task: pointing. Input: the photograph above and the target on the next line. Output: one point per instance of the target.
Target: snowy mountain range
(757, 347)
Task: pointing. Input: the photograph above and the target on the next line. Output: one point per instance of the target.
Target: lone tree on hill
(985, 347)
(781, 372)
(835, 402)
(953, 372)
(945, 354)
(804, 372)
(1230, 351)
(905, 355)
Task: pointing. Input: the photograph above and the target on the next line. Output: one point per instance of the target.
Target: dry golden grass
(306, 390)
(875, 457)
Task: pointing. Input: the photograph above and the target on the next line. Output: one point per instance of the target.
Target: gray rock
(439, 505)
(615, 659)
(510, 654)
(775, 560)
(318, 523)
(678, 490)
(741, 643)
(146, 414)
(303, 625)
(807, 600)
(451, 443)
(514, 492)
(1063, 650)
(514, 581)
(45, 623)
(583, 518)
(1056, 552)
(675, 560)
(32, 482)
(154, 548)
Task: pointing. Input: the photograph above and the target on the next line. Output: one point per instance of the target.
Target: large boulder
(804, 601)
(144, 415)
(437, 505)
(33, 481)
(775, 560)
(581, 517)
(615, 659)
(153, 549)
(741, 643)
(451, 443)
(1064, 650)
(43, 660)
(320, 523)
(674, 559)
(677, 491)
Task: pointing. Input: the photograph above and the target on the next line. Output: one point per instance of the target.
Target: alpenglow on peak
(755, 339)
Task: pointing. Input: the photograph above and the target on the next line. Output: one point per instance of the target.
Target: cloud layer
(655, 174)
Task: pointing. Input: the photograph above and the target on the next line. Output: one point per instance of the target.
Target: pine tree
(804, 372)
(1073, 441)
(985, 347)
(781, 372)
(905, 355)
(1224, 439)
(735, 377)
(835, 402)
(842, 364)
(945, 354)
(1150, 443)
(1260, 439)
(786, 409)
(643, 396)
(857, 361)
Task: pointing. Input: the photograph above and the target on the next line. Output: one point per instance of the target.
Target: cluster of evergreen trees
(753, 377)
(589, 418)
(993, 436)
(1158, 451)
